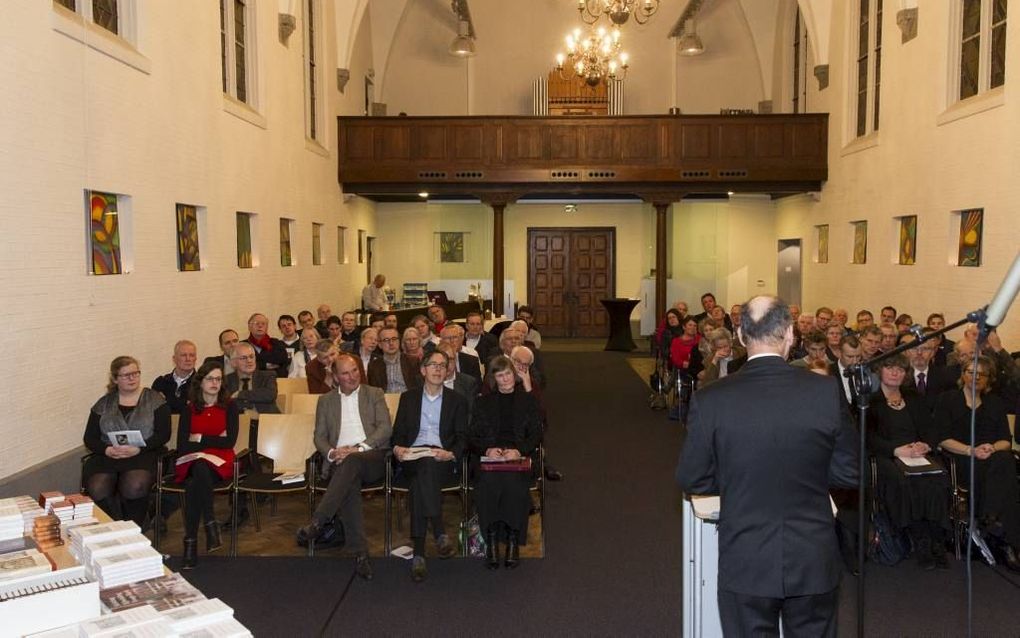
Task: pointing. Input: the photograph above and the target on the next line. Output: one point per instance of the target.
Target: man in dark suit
(434, 417)
(250, 387)
(467, 385)
(174, 385)
(849, 354)
(485, 343)
(394, 371)
(272, 353)
(228, 339)
(467, 362)
(708, 302)
(352, 433)
(319, 370)
(924, 379)
(770, 440)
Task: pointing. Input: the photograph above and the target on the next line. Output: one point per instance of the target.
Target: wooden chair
(287, 439)
(166, 465)
(366, 488)
(303, 403)
(292, 386)
(392, 401)
(399, 486)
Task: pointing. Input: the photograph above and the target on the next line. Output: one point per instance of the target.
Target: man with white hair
(174, 384)
(250, 387)
(272, 353)
(507, 342)
(467, 362)
(373, 296)
(770, 441)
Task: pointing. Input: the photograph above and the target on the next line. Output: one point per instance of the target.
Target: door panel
(570, 270)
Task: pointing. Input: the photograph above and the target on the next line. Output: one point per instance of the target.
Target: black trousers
(343, 496)
(996, 490)
(745, 616)
(426, 477)
(198, 493)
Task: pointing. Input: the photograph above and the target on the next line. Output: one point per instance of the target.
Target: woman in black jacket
(504, 427)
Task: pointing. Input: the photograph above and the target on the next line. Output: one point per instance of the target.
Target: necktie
(246, 384)
(921, 385)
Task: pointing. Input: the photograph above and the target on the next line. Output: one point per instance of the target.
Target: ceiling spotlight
(730, 193)
(423, 195)
(463, 45)
(689, 42)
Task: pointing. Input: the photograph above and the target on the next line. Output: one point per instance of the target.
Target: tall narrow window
(867, 73)
(245, 256)
(236, 48)
(361, 246)
(115, 16)
(188, 255)
(982, 66)
(104, 13)
(67, 4)
(104, 234)
(800, 49)
(341, 244)
(286, 256)
(311, 86)
(316, 244)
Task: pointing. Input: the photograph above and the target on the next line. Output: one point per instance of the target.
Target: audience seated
(900, 426)
(350, 332)
(352, 434)
(318, 370)
(467, 362)
(707, 303)
(390, 321)
(271, 353)
(430, 416)
(325, 313)
(119, 476)
(997, 506)
(251, 388)
(504, 425)
(724, 358)
(814, 349)
(334, 330)
(527, 315)
(887, 316)
(823, 317)
(904, 323)
(208, 426)
(681, 308)
(889, 337)
(794, 312)
(227, 340)
(871, 341)
(306, 320)
(484, 343)
(465, 384)
(394, 371)
(944, 345)
(840, 318)
(304, 354)
(174, 385)
(368, 348)
(850, 354)
(833, 334)
(684, 354)
(377, 320)
(925, 380)
(864, 320)
(671, 328)
(410, 343)
(437, 317)
(289, 333)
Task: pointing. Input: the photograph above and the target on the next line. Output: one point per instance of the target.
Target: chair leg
(159, 514)
(233, 523)
(400, 512)
(387, 522)
(272, 505)
(254, 505)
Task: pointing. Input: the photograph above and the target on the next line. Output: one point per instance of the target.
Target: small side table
(619, 323)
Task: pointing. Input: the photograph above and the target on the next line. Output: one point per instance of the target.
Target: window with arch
(981, 41)
(867, 74)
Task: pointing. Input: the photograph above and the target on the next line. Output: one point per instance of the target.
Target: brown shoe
(447, 548)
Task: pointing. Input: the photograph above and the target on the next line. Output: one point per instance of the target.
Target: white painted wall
(75, 118)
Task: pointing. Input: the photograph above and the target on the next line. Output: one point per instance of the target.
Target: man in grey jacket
(352, 433)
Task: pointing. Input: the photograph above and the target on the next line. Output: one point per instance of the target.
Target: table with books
(67, 570)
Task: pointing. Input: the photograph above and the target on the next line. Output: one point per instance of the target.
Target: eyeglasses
(521, 364)
(980, 375)
(130, 375)
(389, 340)
(245, 357)
(435, 365)
(216, 379)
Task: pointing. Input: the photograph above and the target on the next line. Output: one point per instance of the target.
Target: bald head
(766, 325)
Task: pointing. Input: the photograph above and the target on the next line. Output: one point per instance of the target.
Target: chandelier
(594, 57)
(618, 11)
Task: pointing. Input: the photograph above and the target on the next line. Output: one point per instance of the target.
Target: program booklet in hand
(420, 452)
(126, 437)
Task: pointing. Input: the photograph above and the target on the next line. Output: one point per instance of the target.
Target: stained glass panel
(244, 256)
(971, 228)
(187, 239)
(104, 233)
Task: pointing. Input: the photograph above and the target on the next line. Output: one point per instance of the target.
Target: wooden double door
(569, 271)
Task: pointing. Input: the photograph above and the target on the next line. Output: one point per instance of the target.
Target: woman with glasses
(119, 474)
(504, 427)
(997, 509)
(205, 444)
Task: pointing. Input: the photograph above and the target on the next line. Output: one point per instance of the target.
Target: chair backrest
(243, 432)
(175, 425)
(392, 401)
(303, 403)
(292, 386)
(287, 439)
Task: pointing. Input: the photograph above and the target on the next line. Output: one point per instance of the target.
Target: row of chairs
(287, 439)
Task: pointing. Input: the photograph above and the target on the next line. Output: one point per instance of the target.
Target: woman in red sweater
(205, 442)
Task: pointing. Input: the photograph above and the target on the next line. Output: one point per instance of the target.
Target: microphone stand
(861, 386)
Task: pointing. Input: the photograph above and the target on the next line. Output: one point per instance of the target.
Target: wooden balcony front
(778, 154)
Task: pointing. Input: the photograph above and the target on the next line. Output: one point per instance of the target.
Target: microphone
(1004, 296)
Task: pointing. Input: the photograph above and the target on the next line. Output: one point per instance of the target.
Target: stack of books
(26, 562)
(83, 505)
(11, 523)
(42, 601)
(46, 532)
(81, 536)
(163, 593)
(48, 498)
(206, 619)
(126, 567)
(64, 510)
(113, 546)
(196, 615)
(30, 510)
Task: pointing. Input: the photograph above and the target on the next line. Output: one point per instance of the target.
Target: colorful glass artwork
(860, 242)
(187, 239)
(971, 222)
(316, 244)
(104, 231)
(823, 244)
(285, 254)
(244, 258)
(908, 240)
(451, 248)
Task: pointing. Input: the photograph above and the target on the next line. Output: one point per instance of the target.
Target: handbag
(471, 537)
